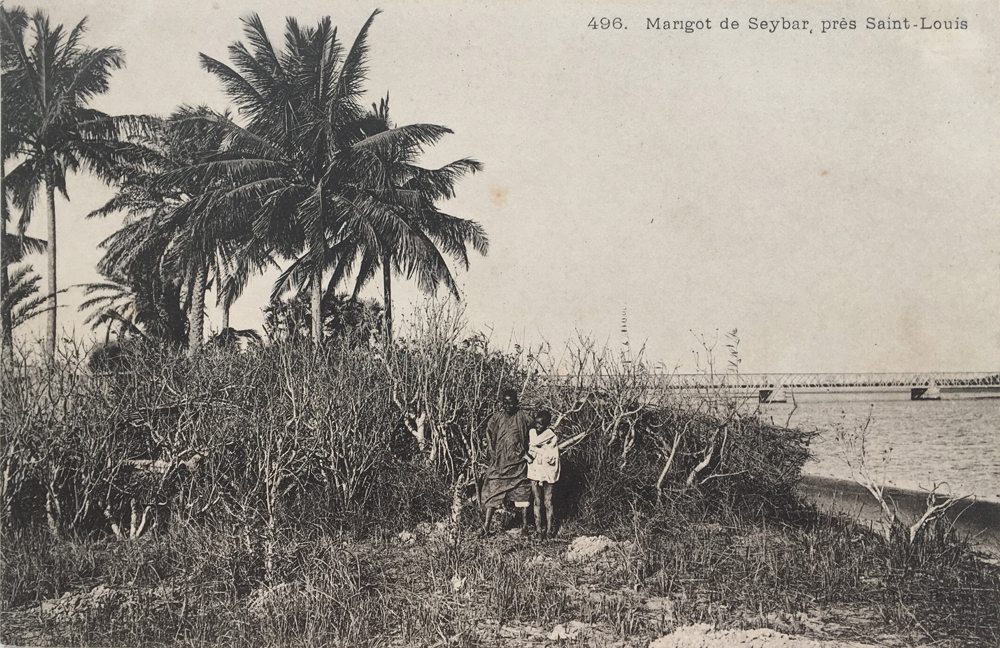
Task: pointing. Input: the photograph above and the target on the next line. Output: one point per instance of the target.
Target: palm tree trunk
(316, 303)
(387, 293)
(196, 318)
(6, 324)
(50, 196)
(225, 313)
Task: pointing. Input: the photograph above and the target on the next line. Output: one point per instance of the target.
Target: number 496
(605, 23)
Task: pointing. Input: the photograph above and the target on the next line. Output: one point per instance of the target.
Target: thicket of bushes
(271, 438)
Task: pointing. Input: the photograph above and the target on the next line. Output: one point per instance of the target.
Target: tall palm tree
(391, 185)
(48, 79)
(172, 229)
(19, 298)
(206, 239)
(285, 165)
(392, 222)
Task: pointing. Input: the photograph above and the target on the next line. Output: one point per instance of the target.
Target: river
(954, 440)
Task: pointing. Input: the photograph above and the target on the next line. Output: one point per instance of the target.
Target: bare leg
(489, 518)
(536, 491)
(549, 509)
(524, 519)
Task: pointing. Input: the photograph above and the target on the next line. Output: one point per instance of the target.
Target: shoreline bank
(978, 520)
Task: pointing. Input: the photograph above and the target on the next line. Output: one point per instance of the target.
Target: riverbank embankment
(979, 520)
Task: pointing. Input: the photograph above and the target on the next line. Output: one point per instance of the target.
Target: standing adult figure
(507, 474)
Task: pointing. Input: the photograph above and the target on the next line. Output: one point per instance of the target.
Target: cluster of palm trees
(300, 176)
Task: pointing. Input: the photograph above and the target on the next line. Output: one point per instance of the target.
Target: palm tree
(13, 248)
(285, 165)
(47, 84)
(403, 194)
(142, 288)
(205, 240)
(393, 223)
(172, 229)
(234, 267)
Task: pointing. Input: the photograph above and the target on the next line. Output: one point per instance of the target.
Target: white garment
(544, 452)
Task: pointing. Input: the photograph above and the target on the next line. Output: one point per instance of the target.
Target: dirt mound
(75, 606)
(587, 547)
(572, 633)
(80, 606)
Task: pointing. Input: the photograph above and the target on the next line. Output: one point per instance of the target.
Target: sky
(831, 196)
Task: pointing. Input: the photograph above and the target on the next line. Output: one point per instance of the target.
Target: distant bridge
(771, 386)
(831, 380)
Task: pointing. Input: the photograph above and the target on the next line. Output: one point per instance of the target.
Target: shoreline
(978, 520)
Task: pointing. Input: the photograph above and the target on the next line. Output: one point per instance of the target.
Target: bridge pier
(925, 393)
(772, 396)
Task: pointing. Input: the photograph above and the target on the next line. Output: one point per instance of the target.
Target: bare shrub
(870, 469)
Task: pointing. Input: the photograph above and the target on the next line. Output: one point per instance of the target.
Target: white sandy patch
(705, 636)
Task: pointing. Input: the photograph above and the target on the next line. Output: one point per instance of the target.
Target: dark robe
(507, 475)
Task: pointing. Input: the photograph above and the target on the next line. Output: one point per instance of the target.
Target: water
(954, 440)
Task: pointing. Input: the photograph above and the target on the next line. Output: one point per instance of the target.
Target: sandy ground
(704, 636)
(694, 636)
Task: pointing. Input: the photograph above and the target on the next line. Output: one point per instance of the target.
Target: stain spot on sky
(824, 174)
(498, 196)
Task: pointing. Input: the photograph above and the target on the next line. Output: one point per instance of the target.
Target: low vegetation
(281, 494)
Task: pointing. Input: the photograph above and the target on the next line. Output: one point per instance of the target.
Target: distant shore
(979, 520)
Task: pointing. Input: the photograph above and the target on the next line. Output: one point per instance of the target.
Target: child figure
(543, 469)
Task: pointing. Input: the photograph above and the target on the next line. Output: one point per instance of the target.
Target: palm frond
(439, 184)
(354, 72)
(23, 299)
(238, 88)
(403, 141)
(16, 247)
(370, 264)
